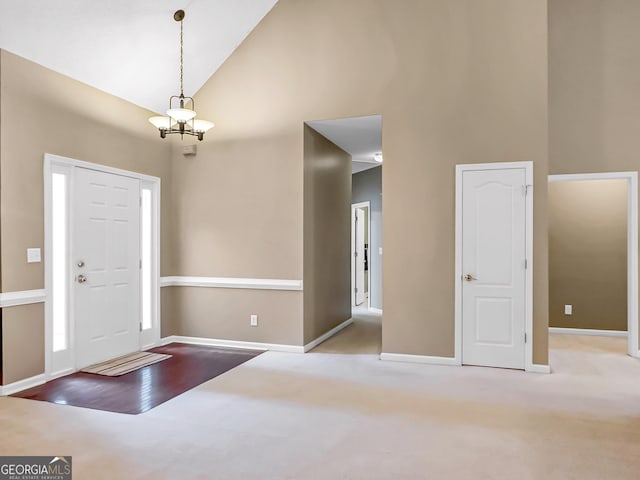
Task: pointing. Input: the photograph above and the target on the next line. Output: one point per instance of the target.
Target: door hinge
(140, 200)
(525, 189)
(140, 326)
(355, 290)
(355, 254)
(526, 263)
(525, 337)
(140, 264)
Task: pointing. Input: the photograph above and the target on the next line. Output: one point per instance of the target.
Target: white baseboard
(402, 357)
(215, 342)
(22, 385)
(313, 344)
(588, 331)
(60, 373)
(537, 368)
(375, 310)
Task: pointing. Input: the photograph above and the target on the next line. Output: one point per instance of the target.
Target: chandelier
(180, 118)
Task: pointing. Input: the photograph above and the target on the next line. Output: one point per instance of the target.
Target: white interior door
(106, 265)
(359, 255)
(493, 267)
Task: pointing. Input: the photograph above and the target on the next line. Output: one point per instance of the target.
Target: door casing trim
(528, 168)
(52, 161)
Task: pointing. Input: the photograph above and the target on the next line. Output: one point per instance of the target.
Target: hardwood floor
(143, 389)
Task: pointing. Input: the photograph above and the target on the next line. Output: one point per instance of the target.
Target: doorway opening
(360, 253)
(593, 266)
(343, 195)
(102, 247)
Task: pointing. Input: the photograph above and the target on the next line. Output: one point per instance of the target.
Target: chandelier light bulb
(181, 115)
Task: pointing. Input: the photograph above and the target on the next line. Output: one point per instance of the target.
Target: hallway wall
(327, 235)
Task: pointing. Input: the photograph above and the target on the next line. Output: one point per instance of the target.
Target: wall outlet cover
(34, 255)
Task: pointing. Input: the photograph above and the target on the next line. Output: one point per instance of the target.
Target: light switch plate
(254, 320)
(33, 255)
(568, 309)
(380, 251)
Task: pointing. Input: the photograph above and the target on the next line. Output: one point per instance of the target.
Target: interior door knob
(81, 278)
(80, 264)
(468, 277)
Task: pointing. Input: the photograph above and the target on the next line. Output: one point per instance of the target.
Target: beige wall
(238, 213)
(23, 342)
(588, 254)
(459, 81)
(327, 235)
(51, 113)
(225, 313)
(594, 73)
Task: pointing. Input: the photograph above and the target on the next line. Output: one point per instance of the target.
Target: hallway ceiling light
(180, 118)
(377, 157)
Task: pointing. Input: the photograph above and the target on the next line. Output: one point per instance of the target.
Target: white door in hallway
(494, 267)
(105, 251)
(359, 255)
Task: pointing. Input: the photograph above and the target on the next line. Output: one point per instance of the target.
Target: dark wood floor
(143, 389)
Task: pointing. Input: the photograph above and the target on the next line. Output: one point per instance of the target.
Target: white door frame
(528, 166)
(366, 204)
(56, 163)
(632, 244)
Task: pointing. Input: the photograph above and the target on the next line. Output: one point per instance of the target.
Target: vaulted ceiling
(129, 48)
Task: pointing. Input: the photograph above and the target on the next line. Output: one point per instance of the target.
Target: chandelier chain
(181, 60)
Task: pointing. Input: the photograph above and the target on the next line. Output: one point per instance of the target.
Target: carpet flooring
(145, 388)
(339, 412)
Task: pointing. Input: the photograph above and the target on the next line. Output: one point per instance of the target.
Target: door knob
(80, 264)
(81, 278)
(468, 277)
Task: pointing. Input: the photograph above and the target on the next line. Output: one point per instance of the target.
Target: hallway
(363, 337)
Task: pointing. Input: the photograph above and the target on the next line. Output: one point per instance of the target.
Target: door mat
(125, 364)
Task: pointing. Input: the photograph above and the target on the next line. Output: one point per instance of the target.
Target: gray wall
(367, 186)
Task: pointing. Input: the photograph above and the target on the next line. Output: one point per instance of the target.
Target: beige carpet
(331, 415)
(125, 364)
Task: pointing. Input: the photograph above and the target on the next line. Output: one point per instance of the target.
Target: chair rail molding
(23, 297)
(227, 282)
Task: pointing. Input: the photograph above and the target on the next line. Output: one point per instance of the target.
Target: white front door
(493, 267)
(105, 252)
(359, 255)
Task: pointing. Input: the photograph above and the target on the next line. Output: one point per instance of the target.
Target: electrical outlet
(254, 320)
(568, 309)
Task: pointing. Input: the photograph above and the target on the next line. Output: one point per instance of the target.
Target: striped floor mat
(125, 364)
